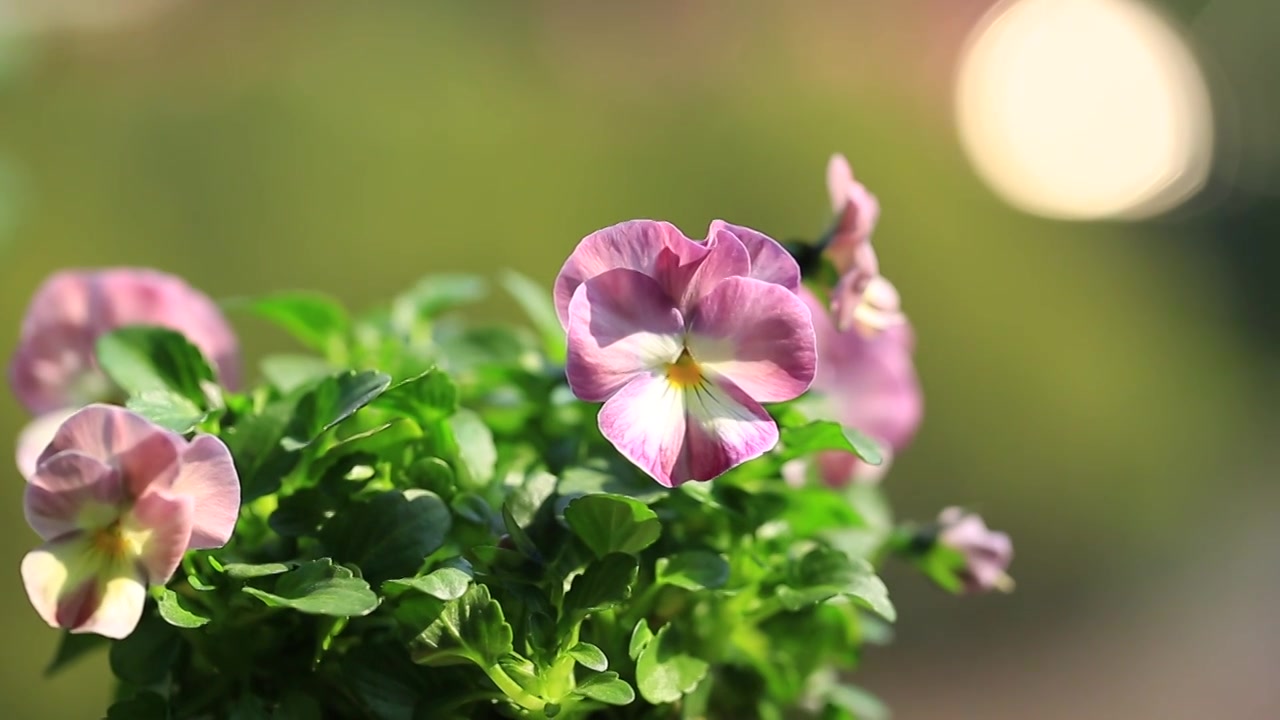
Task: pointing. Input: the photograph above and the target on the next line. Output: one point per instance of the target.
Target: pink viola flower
(866, 383)
(987, 553)
(53, 371)
(118, 501)
(683, 340)
(863, 298)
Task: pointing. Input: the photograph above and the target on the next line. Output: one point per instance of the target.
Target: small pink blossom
(682, 341)
(986, 553)
(862, 298)
(118, 501)
(53, 371)
(866, 383)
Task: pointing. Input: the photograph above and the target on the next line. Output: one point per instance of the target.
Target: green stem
(513, 689)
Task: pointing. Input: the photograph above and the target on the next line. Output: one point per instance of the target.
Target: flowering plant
(423, 519)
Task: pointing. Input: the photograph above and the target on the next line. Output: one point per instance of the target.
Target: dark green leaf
(605, 687)
(582, 480)
(693, 570)
(244, 571)
(476, 450)
(471, 628)
(538, 305)
(589, 656)
(143, 706)
(605, 583)
(427, 397)
(139, 359)
(389, 536)
(71, 648)
(320, 588)
(664, 673)
(255, 443)
(612, 523)
(332, 401)
(167, 409)
(525, 501)
(828, 435)
(518, 535)
(178, 611)
(147, 654)
(315, 320)
(447, 583)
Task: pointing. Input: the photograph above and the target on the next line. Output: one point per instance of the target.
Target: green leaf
(605, 687)
(177, 611)
(167, 409)
(612, 523)
(71, 648)
(143, 706)
(529, 496)
(641, 636)
(244, 571)
(828, 435)
(604, 584)
(589, 656)
(140, 359)
(389, 536)
(537, 303)
(582, 480)
(664, 673)
(320, 588)
(693, 570)
(517, 534)
(433, 295)
(147, 654)
(332, 401)
(315, 320)
(255, 441)
(826, 572)
(427, 397)
(471, 628)
(447, 583)
(868, 590)
(476, 451)
(287, 373)
(858, 702)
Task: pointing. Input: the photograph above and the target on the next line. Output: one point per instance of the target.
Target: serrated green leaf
(315, 320)
(604, 584)
(828, 435)
(72, 647)
(664, 673)
(141, 359)
(427, 397)
(320, 588)
(329, 403)
(607, 688)
(167, 409)
(447, 583)
(589, 656)
(469, 629)
(389, 536)
(693, 570)
(178, 611)
(612, 523)
(869, 591)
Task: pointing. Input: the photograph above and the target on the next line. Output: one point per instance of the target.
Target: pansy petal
(621, 323)
(144, 451)
(689, 283)
(53, 369)
(207, 475)
(839, 175)
(632, 245)
(757, 334)
(36, 436)
(70, 590)
(645, 421)
(72, 491)
(160, 525)
(770, 262)
(725, 428)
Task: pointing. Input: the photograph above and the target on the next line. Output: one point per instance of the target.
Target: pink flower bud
(986, 553)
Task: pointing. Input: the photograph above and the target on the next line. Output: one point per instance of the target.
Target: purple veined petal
(621, 324)
(725, 428)
(144, 452)
(632, 245)
(207, 475)
(161, 523)
(689, 283)
(70, 590)
(36, 436)
(758, 335)
(72, 491)
(770, 262)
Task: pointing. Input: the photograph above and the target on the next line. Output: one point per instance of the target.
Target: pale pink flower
(863, 298)
(986, 553)
(118, 501)
(53, 370)
(866, 383)
(682, 341)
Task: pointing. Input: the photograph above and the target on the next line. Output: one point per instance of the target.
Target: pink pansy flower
(987, 553)
(118, 500)
(53, 371)
(683, 340)
(869, 384)
(862, 298)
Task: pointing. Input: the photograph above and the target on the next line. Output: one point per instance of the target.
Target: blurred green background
(1104, 391)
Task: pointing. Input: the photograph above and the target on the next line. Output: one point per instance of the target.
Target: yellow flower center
(117, 542)
(684, 372)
